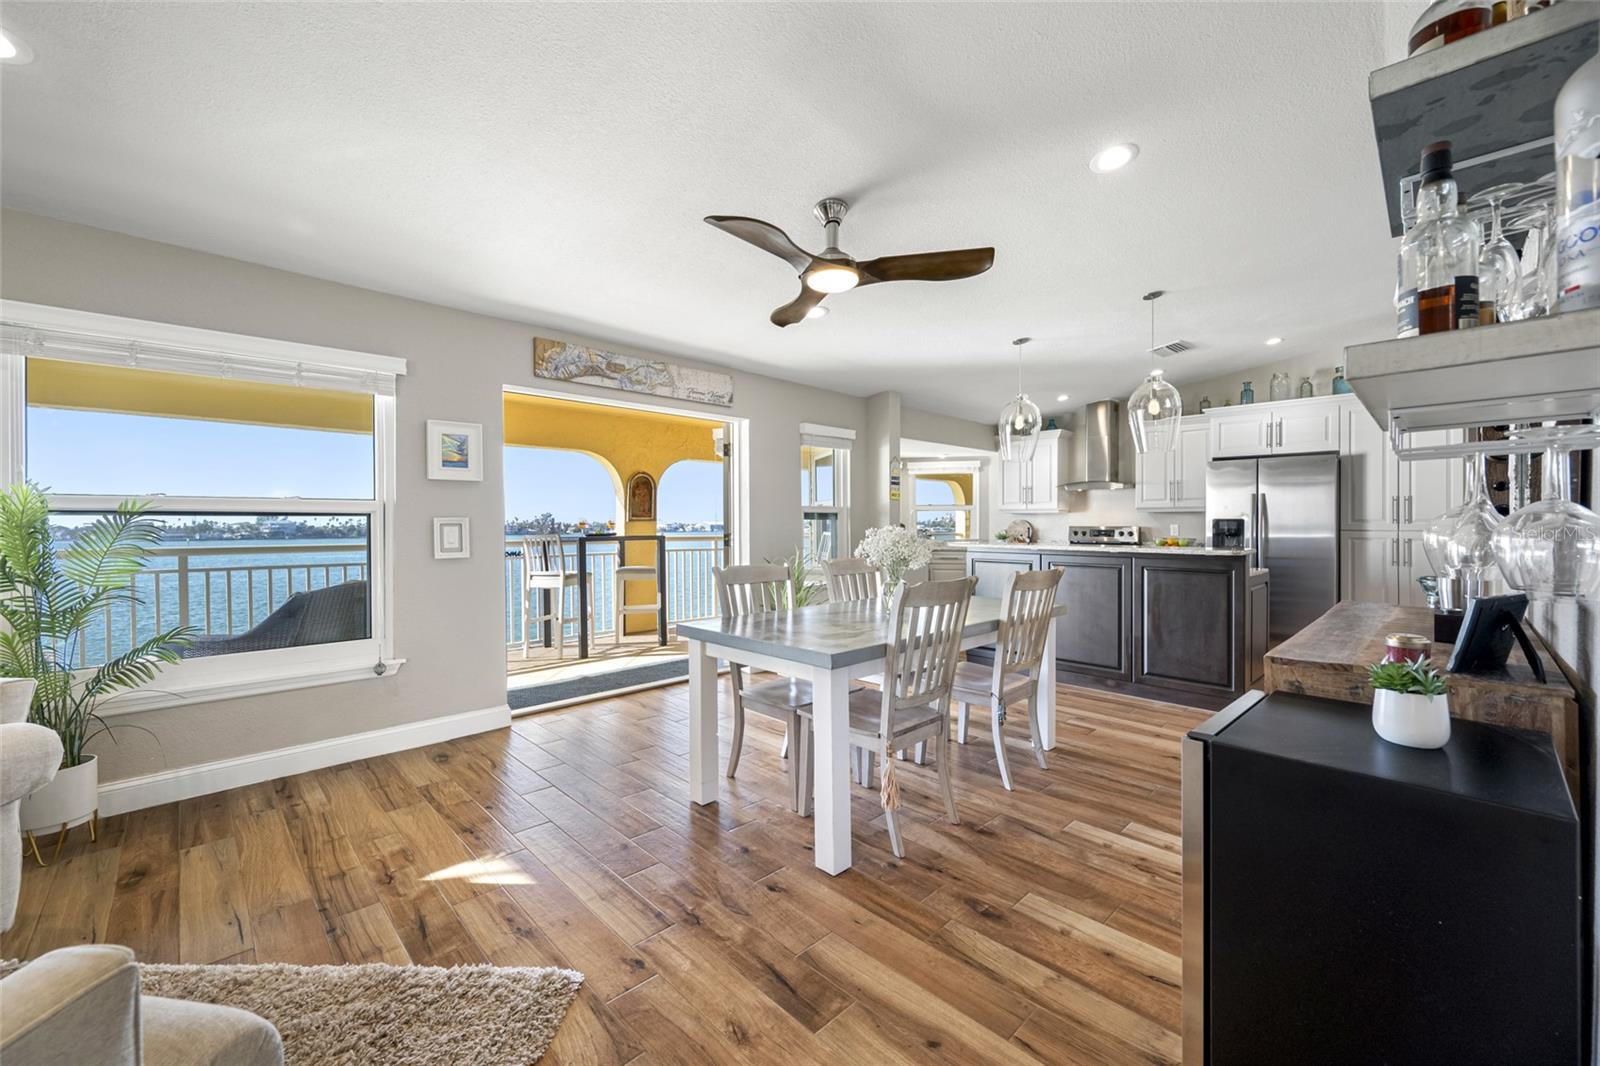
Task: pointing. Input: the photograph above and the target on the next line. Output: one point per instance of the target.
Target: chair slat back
(753, 589)
(926, 621)
(1025, 620)
(543, 554)
(851, 580)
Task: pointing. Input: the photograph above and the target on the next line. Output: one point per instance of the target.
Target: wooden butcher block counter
(1330, 658)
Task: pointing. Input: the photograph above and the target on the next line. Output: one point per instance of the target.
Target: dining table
(826, 644)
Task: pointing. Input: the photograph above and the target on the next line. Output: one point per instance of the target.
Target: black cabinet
(1094, 637)
(1347, 900)
(992, 569)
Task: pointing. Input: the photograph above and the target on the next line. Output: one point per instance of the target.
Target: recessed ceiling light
(1271, 341)
(1063, 398)
(1115, 157)
(13, 50)
(817, 312)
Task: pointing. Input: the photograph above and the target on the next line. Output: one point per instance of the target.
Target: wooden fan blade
(795, 311)
(763, 235)
(927, 266)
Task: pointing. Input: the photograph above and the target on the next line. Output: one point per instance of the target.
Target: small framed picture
(641, 498)
(452, 538)
(455, 451)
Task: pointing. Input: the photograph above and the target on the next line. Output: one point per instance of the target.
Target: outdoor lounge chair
(320, 616)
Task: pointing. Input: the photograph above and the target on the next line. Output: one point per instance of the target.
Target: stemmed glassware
(1538, 260)
(1551, 548)
(1499, 268)
(1460, 542)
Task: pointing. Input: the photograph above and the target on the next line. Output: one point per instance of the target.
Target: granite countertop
(1120, 549)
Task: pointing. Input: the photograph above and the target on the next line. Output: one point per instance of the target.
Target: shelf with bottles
(1493, 94)
(1539, 369)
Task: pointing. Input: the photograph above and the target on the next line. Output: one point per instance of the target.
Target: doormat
(577, 688)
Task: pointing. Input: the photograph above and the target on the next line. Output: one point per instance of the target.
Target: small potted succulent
(1409, 705)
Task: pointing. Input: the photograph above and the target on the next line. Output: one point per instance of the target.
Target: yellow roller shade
(76, 386)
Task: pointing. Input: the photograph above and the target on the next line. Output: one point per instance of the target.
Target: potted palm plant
(48, 597)
(1409, 705)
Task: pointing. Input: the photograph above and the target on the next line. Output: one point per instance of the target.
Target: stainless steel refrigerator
(1290, 507)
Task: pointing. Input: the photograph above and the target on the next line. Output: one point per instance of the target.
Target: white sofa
(81, 1005)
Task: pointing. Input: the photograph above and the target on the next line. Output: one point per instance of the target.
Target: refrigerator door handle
(1261, 528)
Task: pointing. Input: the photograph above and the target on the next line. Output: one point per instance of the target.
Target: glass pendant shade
(1020, 423)
(1153, 413)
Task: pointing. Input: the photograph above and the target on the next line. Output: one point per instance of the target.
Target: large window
(824, 493)
(268, 467)
(944, 499)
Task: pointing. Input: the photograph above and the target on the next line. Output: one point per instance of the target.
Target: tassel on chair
(889, 789)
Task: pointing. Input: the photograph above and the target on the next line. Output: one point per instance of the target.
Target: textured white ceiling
(552, 163)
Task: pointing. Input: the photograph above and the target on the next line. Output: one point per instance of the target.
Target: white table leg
(1047, 690)
(830, 711)
(702, 724)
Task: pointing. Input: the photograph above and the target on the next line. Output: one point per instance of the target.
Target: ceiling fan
(831, 271)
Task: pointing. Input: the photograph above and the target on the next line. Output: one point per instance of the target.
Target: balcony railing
(691, 590)
(225, 590)
(218, 590)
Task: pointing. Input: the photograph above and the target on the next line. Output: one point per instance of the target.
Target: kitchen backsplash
(1106, 508)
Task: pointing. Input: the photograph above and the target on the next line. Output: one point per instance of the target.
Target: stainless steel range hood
(1097, 463)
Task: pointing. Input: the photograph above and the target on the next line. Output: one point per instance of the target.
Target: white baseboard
(168, 786)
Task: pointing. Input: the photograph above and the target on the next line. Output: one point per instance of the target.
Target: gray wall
(448, 614)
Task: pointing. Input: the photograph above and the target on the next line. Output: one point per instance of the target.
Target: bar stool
(633, 572)
(544, 563)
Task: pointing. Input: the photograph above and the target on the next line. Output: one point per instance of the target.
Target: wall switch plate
(1172, 530)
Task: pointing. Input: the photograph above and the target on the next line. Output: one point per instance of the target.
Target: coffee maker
(1227, 533)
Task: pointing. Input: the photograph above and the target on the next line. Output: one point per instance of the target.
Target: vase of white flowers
(895, 550)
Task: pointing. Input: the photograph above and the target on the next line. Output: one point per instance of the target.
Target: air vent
(1171, 348)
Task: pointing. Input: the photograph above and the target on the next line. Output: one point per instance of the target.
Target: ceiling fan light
(817, 312)
(831, 278)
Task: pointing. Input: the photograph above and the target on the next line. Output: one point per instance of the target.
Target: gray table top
(830, 635)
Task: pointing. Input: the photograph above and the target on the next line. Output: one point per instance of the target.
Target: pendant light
(1155, 406)
(1020, 422)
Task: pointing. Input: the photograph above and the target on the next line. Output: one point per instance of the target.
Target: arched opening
(689, 513)
(943, 504)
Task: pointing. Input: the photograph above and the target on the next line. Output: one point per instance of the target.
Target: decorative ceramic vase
(70, 799)
(1411, 719)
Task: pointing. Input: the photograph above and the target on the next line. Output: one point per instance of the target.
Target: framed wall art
(455, 451)
(641, 498)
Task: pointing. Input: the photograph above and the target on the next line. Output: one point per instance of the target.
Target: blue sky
(129, 455)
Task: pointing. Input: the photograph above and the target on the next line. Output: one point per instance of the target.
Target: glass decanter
(1278, 387)
(1461, 541)
(1551, 548)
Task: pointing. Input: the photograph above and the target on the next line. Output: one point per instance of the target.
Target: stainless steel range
(1103, 535)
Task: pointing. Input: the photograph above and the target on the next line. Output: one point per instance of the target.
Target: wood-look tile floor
(1042, 929)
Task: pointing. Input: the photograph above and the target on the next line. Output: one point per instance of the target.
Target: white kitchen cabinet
(1369, 492)
(1287, 427)
(1175, 480)
(1370, 569)
(1412, 565)
(1430, 487)
(1239, 431)
(1034, 486)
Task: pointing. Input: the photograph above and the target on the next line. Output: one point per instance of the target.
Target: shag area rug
(378, 1013)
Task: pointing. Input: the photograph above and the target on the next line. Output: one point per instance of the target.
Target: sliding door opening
(617, 515)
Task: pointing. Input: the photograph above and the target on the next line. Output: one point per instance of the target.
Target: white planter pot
(67, 800)
(1411, 719)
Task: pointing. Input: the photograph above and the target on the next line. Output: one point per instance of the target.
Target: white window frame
(57, 333)
(841, 440)
(921, 468)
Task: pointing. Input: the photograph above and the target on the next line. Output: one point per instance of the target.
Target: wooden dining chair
(919, 667)
(544, 570)
(746, 590)
(850, 580)
(1013, 678)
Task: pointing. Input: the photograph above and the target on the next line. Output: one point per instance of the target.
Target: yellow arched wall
(960, 485)
(625, 441)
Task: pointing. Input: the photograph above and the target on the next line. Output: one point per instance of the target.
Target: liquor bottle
(1447, 21)
(1578, 190)
(1438, 263)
